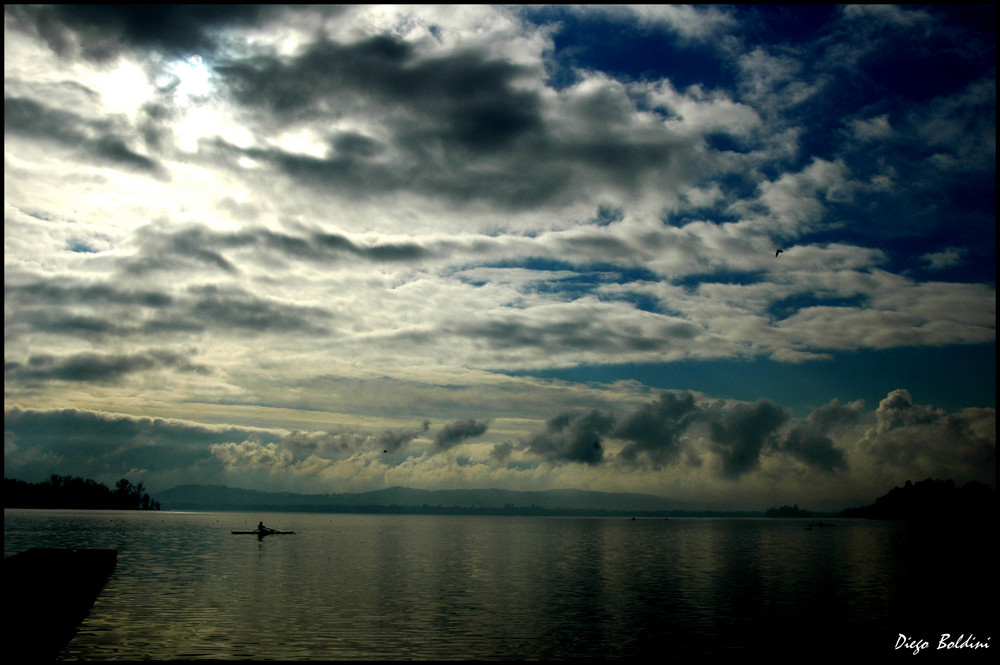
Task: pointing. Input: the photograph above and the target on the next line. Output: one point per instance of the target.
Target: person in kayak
(261, 528)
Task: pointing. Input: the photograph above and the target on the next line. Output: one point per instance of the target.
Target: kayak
(258, 532)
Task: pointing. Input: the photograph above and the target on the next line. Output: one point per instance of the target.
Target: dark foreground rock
(48, 593)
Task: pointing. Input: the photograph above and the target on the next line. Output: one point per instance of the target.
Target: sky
(336, 249)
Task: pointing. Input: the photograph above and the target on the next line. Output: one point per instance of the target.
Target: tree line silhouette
(932, 499)
(74, 492)
(924, 500)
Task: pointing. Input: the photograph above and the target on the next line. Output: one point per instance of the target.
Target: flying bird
(777, 251)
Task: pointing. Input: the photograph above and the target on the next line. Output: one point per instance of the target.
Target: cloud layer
(364, 230)
(699, 450)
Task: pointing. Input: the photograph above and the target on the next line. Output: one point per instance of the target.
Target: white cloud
(914, 440)
(903, 16)
(251, 455)
(871, 129)
(775, 82)
(947, 258)
(691, 22)
(700, 112)
(795, 203)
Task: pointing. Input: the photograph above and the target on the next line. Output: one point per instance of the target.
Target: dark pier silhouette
(48, 593)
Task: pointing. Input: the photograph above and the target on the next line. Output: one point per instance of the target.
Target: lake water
(412, 587)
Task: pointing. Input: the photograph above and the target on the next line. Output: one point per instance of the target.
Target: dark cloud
(393, 440)
(539, 168)
(97, 141)
(459, 125)
(654, 431)
(455, 432)
(814, 448)
(112, 149)
(108, 446)
(45, 306)
(349, 441)
(61, 323)
(501, 452)
(740, 433)
(517, 180)
(153, 125)
(346, 174)
(357, 145)
(467, 107)
(516, 331)
(49, 305)
(50, 292)
(222, 308)
(103, 32)
(465, 100)
(96, 367)
(655, 434)
(573, 437)
(808, 439)
(180, 248)
(382, 252)
(576, 332)
(165, 248)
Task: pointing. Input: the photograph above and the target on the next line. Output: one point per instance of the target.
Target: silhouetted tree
(932, 499)
(73, 492)
(788, 511)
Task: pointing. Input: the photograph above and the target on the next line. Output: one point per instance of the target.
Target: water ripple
(366, 587)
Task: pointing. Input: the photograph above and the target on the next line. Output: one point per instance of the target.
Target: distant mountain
(220, 497)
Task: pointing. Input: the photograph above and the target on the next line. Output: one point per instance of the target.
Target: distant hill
(219, 497)
(932, 499)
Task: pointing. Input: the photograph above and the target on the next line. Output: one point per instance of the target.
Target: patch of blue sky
(733, 186)
(786, 307)
(576, 286)
(943, 51)
(951, 378)
(766, 24)
(642, 302)
(726, 142)
(945, 215)
(568, 281)
(608, 215)
(740, 277)
(920, 70)
(679, 218)
(600, 41)
(589, 284)
(612, 273)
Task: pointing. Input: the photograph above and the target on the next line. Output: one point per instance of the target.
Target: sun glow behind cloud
(194, 80)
